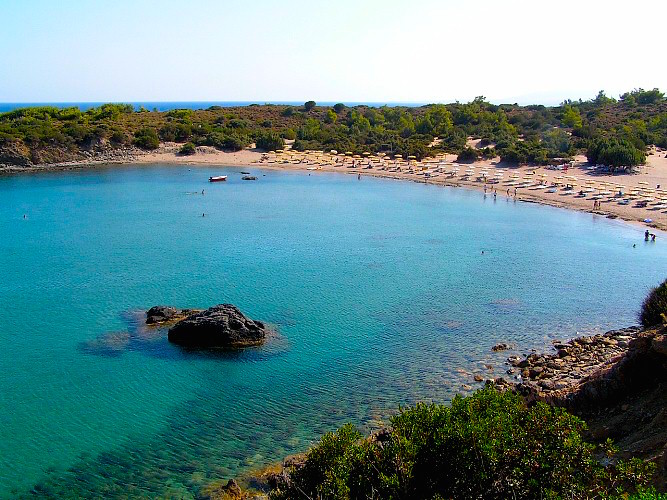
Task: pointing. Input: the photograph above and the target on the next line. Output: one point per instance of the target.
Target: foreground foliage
(488, 445)
(614, 132)
(654, 307)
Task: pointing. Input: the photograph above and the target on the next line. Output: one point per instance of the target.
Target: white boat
(217, 178)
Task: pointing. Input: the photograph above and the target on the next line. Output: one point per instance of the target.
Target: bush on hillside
(654, 308)
(187, 149)
(270, 141)
(488, 445)
(146, 138)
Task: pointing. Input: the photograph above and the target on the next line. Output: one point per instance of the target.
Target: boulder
(161, 314)
(221, 326)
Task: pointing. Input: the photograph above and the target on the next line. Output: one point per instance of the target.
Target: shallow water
(378, 288)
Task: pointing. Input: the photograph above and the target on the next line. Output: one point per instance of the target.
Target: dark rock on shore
(221, 326)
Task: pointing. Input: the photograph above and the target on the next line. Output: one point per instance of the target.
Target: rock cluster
(555, 377)
(617, 382)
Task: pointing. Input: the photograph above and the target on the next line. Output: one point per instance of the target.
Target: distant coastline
(193, 105)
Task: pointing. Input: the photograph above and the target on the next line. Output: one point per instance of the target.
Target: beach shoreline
(167, 154)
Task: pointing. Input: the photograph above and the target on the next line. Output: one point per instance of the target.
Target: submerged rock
(500, 347)
(167, 314)
(221, 326)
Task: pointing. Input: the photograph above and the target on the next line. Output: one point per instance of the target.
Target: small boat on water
(249, 178)
(217, 178)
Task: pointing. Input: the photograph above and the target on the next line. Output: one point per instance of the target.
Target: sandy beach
(533, 184)
(579, 187)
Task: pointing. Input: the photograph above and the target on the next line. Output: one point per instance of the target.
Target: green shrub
(270, 141)
(146, 138)
(288, 133)
(187, 149)
(654, 308)
(308, 105)
(467, 155)
(488, 445)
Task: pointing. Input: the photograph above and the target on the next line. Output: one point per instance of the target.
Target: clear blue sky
(347, 50)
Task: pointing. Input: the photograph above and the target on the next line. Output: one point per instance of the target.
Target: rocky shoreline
(616, 382)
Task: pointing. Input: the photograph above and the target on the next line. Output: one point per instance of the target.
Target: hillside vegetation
(488, 445)
(611, 132)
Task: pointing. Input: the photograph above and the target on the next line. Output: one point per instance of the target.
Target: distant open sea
(166, 106)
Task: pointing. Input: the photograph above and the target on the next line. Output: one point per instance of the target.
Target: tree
(641, 96)
(467, 155)
(339, 107)
(614, 153)
(270, 141)
(571, 117)
(308, 105)
(330, 116)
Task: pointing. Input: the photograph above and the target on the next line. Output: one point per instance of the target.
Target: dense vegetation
(609, 131)
(654, 307)
(489, 445)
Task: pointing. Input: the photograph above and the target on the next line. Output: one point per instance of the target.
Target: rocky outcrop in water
(221, 326)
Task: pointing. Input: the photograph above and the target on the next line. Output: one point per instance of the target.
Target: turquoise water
(378, 288)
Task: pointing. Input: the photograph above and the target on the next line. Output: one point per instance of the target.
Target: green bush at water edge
(488, 445)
